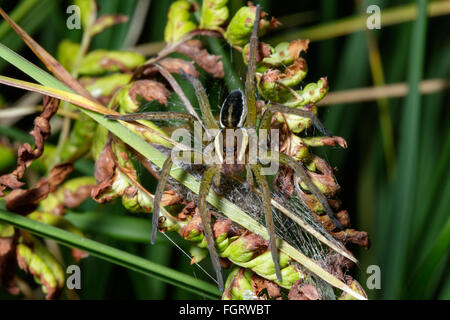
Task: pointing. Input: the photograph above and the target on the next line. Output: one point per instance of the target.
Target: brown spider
(238, 112)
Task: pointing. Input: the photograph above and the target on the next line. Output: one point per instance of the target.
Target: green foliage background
(401, 199)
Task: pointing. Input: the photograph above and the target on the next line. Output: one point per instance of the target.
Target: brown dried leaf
(301, 291)
(173, 65)
(360, 238)
(338, 265)
(326, 222)
(25, 153)
(104, 173)
(208, 62)
(195, 224)
(265, 289)
(297, 46)
(149, 90)
(73, 199)
(273, 23)
(25, 201)
(170, 198)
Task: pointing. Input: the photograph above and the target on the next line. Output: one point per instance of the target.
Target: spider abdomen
(234, 110)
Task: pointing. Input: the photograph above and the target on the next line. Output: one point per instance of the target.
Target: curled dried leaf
(25, 201)
(208, 62)
(173, 65)
(26, 154)
(104, 174)
(265, 289)
(115, 174)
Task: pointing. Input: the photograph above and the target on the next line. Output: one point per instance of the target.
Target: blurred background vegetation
(394, 175)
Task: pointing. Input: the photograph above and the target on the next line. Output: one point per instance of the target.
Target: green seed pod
(133, 199)
(295, 123)
(178, 23)
(35, 258)
(311, 94)
(240, 27)
(242, 252)
(106, 86)
(100, 61)
(127, 101)
(239, 285)
(272, 83)
(285, 53)
(197, 253)
(67, 52)
(214, 13)
(299, 150)
(269, 89)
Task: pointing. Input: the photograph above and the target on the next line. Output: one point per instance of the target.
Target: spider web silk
(252, 204)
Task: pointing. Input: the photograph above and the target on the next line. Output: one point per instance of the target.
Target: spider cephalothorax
(238, 114)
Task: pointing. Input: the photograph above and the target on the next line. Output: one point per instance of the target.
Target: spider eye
(234, 110)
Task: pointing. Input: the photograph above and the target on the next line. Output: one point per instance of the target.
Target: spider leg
(262, 182)
(250, 91)
(301, 172)
(249, 172)
(205, 186)
(151, 116)
(267, 117)
(203, 101)
(165, 171)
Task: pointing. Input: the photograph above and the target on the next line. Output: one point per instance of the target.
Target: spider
(238, 111)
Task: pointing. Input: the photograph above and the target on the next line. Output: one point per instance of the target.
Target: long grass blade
(113, 255)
